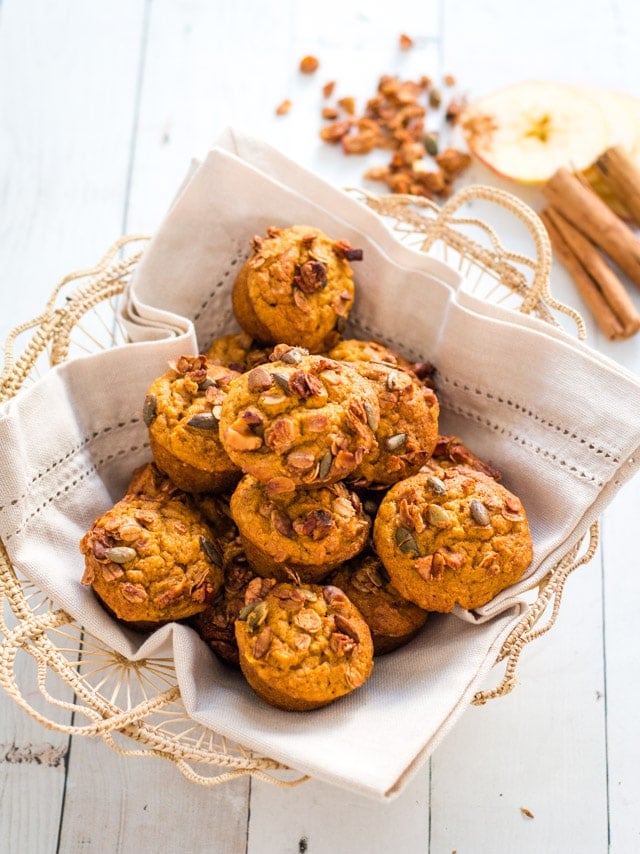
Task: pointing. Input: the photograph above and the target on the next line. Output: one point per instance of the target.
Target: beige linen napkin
(560, 421)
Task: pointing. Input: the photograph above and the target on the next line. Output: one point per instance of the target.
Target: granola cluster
(394, 119)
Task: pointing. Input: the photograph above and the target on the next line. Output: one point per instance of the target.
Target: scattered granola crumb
(327, 89)
(449, 80)
(405, 41)
(526, 812)
(309, 64)
(283, 107)
(330, 113)
(348, 105)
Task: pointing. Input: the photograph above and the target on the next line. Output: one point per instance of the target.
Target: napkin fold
(560, 421)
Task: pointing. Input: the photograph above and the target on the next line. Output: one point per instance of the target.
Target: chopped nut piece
(335, 131)
(327, 89)
(449, 80)
(283, 107)
(405, 41)
(330, 113)
(311, 277)
(348, 104)
(309, 64)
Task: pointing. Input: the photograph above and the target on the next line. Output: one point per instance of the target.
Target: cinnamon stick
(588, 286)
(578, 203)
(604, 278)
(621, 176)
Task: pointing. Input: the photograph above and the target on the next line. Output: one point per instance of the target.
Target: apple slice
(526, 131)
(622, 112)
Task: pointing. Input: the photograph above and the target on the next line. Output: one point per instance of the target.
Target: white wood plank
(621, 609)
(67, 85)
(322, 818)
(208, 69)
(540, 747)
(132, 805)
(65, 137)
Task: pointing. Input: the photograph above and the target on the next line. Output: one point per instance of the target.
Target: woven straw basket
(67, 679)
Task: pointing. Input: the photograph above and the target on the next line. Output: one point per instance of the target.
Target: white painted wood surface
(101, 107)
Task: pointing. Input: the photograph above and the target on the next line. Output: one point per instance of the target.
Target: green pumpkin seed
(479, 513)
(437, 486)
(394, 443)
(325, 465)
(212, 551)
(149, 409)
(120, 554)
(282, 380)
(291, 357)
(438, 516)
(406, 542)
(257, 616)
(203, 421)
(372, 416)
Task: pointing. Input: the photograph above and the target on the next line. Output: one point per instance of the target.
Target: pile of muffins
(302, 511)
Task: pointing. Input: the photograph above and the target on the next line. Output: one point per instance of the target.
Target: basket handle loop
(535, 226)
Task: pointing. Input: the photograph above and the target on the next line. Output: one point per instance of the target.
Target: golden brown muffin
(453, 540)
(295, 288)
(392, 619)
(299, 420)
(216, 624)
(408, 427)
(181, 410)
(357, 350)
(354, 349)
(152, 560)
(302, 647)
(451, 451)
(237, 351)
(303, 534)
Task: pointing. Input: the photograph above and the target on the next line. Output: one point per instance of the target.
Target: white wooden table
(101, 107)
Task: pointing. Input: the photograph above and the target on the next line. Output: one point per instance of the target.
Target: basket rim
(52, 329)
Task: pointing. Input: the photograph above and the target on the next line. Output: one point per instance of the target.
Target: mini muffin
(458, 539)
(408, 427)
(181, 410)
(152, 560)
(299, 420)
(302, 647)
(451, 451)
(216, 624)
(392, 619)
(303, 534)
(296, 288)
(356, 350)
(237, 351)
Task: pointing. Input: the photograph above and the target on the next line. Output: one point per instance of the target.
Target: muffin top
(152, 559)
(314, 526)
(299, 420)
(458, 539)
(296, 287)
(302, 647)
(182, 411)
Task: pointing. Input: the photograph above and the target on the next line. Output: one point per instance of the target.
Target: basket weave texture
(84, 688)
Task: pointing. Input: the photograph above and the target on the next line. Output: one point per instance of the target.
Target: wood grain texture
(102, 106)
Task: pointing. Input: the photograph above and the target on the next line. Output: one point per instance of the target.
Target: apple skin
(524, 132)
